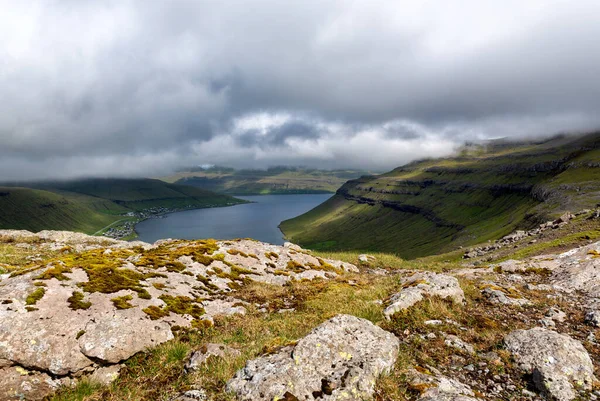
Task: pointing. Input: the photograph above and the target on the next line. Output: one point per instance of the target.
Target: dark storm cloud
(137, 87)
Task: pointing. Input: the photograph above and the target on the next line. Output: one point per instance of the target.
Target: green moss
(122, 302)
(209, 286)
(182, 306)
(76, 301)
(35, 296)
(143, 294)
(166, 255)
(272, 255)
(280, 272)
(296, 267)
(79, 334)
(237, 252)
(40, 284)
(159, 286)
(154, 312)
(30, 309)
(56, 272)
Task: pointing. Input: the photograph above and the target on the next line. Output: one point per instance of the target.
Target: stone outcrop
(340, 359)
(559, 364)
(85, 309)
(422, 285)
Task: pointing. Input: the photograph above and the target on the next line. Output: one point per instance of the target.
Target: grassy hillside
(141, 193)
(276, 180)
(433, 206)
(92, 204)
(36, 210)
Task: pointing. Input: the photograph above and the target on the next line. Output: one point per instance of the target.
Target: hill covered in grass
(275, 180)
(90, 205)
(36, 210)
(434, 206)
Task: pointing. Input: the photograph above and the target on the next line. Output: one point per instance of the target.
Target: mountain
(433, 206)
(274, 180)
(90, 205)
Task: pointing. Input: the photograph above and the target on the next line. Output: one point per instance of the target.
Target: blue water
(257, 220)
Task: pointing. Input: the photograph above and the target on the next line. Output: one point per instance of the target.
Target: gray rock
(559, 364)
(192, 395)
(456, 342)
(201, 356)
(340, 359)
(106, 374)
(364, 258)
(66, 342)
(115, 338)
(556, 314)
(422, 285)
(17, 383)
(593, 317)
(497, 296)
(437, 387)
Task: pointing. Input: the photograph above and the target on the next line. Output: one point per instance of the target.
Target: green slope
(141, 193)
(434, 206)
(36, 210)
(92, 204)
(275, 180)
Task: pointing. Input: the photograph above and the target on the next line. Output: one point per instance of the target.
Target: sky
(139, 88)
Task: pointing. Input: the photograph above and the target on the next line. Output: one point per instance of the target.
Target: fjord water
(258, 220)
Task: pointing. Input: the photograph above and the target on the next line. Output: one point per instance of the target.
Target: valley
(274, 180)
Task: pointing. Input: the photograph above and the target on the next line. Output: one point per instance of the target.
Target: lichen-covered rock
(421, 285)
(210, 350)
(114, 338)
(433, 386)
(559, 364)
(17, 383)
(98, 301)
(457, 343)
(106, 375)
(192, 395)
(340, 359)
(579, 270)
(499, 297)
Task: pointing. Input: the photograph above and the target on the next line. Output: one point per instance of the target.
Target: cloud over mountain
(138, 87)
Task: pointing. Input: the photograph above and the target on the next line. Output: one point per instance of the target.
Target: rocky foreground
(82, 308)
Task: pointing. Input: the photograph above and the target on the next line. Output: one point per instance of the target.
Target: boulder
(340, 359)
(422, 285)
(558, 363)
(114, 338)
